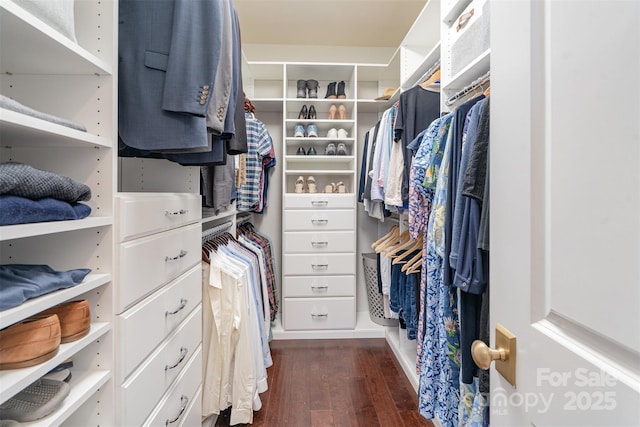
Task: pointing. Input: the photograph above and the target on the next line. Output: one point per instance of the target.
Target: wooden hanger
(416, 267)
(405, 243)
(401, 258)
(434, 78)
(393, 232)
(400, 239)
(487, 91)
(412, 261)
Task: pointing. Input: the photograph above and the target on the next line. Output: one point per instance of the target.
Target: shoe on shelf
(300, 151)
(312, 131)
(340, 188)
(340, 91)
(35, 401)
(311, 184)
(302, 89)
(341, 150)
(329, 188)
(74, 317)
(342, 134)
(311, 151)
(332, 112)
(312, 88)
(331, 91)
(299, 185)
(342, 112)
(30, 341)
(332, 133)
(298, 131)
(312, 115)
(303, 114)
(330, 150)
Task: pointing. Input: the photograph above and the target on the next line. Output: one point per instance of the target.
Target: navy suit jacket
(168, 56)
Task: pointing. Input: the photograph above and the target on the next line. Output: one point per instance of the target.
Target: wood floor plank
(336, 383)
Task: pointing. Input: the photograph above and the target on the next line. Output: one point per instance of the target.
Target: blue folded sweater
(20, 210)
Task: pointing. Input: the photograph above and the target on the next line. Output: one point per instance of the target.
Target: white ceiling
(357, 23)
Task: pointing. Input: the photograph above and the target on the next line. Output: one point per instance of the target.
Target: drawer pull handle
(317, 266)
(319, 221)
(176, 213)
(319, 287)
(182, 254)
(319, 203)
(319, 315)
(183, 304)
(183, 354)
(319, 244)
(184, 401)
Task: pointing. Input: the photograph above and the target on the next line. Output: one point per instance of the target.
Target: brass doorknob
(483, 355)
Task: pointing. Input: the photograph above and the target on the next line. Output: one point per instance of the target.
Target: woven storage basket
(376, 308)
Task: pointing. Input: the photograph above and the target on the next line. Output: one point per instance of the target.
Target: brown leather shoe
(29, 342)
(75, 319)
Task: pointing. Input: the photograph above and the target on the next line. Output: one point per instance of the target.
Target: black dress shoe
(311, 115)
(302, 115)
(300, 151)
(311, 151)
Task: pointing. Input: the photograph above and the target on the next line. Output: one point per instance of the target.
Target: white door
(565, 212)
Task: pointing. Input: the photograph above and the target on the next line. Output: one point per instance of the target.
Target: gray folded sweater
(17, 179)
(13, 105)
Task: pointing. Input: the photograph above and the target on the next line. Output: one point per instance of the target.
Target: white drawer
(179, 396)
(143, 389)
(319, 201)
(193, 414)
(319, 313)
(141, 214)
(318, 220)
(319, 241)
(147, 263)
(146, 324)
(319, 286)
(321, 264)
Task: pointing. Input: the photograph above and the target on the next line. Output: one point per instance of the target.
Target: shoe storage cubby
(72, 78)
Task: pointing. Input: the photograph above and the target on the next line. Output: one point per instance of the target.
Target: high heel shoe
(332, 112)
(342, 112)
(331, 91)
(340, 91)
(311, 115)
(303, 114)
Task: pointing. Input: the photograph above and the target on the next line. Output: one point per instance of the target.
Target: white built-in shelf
(41, 49)
(14, 380)
(414, 78)
(267, 104)
(425, 30)
(324, 123)
(373, 106)
(36, 305)
(83, 386)
(21, 130)
(468, 74)
(19, 231)
(320, 158)
(295, 101)
(318, 172)
(319, 139)
(455, 10)
(222, 214)
(405, 352)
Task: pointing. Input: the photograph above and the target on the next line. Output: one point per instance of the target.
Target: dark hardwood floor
(335, 383)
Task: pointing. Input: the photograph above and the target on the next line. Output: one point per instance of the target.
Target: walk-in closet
(292, 213)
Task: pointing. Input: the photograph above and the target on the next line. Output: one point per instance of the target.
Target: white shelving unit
(44, 70)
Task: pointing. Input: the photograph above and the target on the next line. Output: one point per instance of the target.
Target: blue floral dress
(440, 357)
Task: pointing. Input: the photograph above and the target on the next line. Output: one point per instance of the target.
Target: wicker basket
(376, 308)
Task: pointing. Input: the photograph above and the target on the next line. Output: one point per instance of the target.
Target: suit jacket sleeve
(194, 54)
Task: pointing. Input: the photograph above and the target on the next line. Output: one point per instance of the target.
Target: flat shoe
(299, 185)
(311, 184)
(33, 340)
(75, 319)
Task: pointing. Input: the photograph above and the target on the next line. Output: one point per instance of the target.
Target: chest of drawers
(159, 306)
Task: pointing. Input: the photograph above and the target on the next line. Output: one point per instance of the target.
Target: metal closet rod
(469, 88)
(243, 219)
(216, 229)
(430, 72)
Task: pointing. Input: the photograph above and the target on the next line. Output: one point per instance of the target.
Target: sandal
(311, 184)
(328, 188)
(340, 188)
(300, 185)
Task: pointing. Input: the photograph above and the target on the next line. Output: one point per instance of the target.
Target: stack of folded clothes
(31, 195)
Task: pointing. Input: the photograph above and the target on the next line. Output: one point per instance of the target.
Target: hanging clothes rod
(243, 219)
(469, 88)
(216, 229)
(430, 72)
